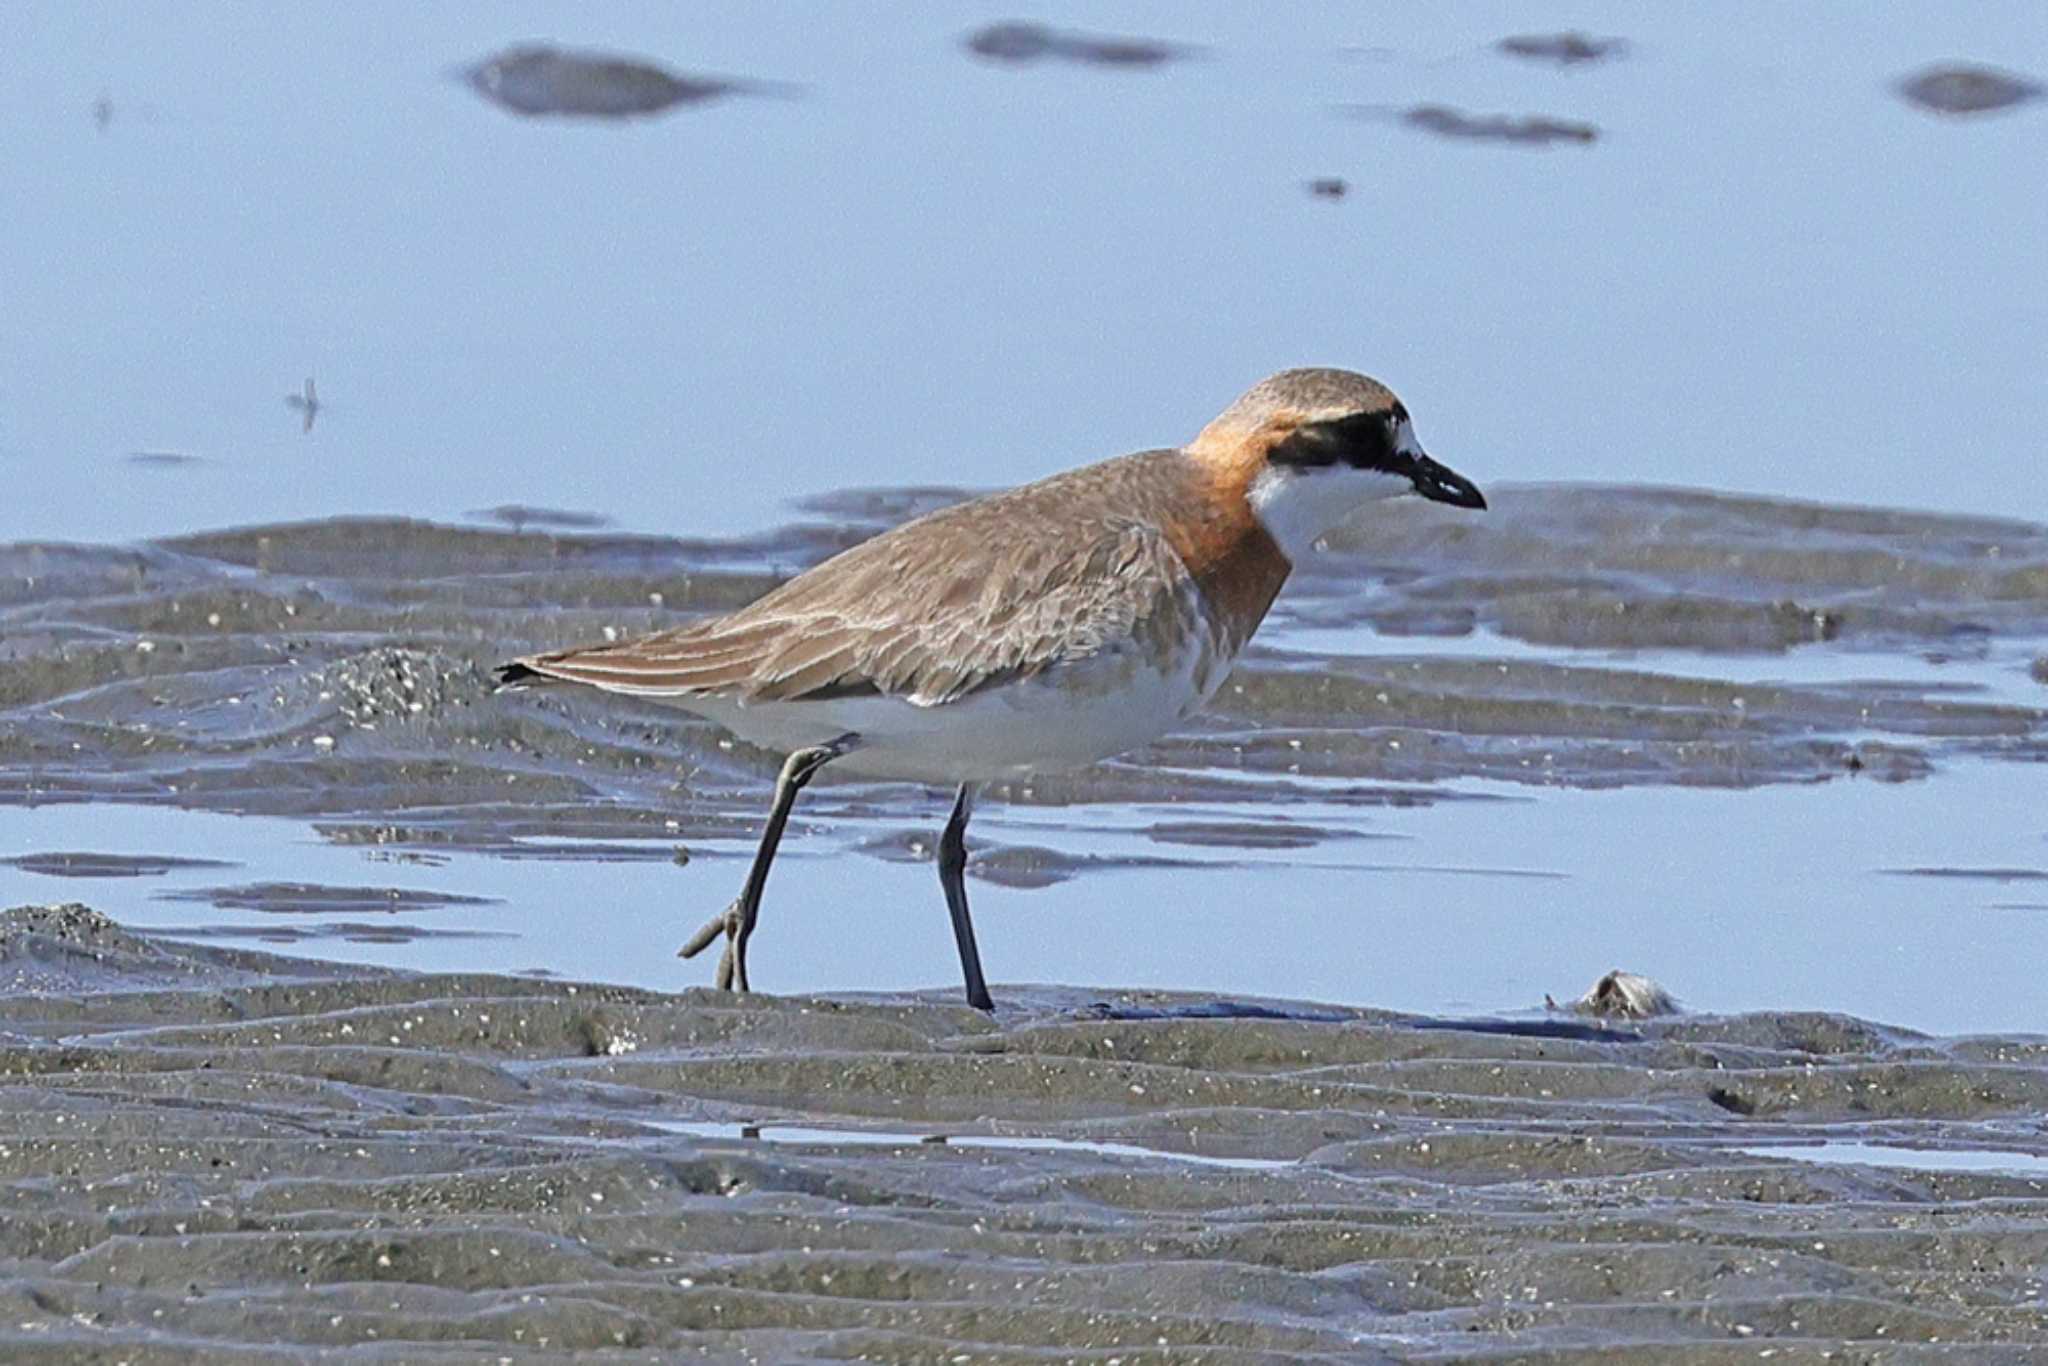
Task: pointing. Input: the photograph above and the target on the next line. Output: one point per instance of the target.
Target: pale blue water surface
(1767, 274)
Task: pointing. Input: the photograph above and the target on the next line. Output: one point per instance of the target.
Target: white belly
(1065, 717)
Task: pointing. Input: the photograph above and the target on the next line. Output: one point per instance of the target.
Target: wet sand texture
(207, 1153)
(339, 670)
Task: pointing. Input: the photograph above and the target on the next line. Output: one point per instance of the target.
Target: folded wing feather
(882, 617)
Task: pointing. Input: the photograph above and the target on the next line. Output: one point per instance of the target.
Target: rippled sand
(203, 1151)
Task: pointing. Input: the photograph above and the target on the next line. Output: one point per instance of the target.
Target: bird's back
(1146, 550)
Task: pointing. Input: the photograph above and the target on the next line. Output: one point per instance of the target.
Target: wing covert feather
(888, 619)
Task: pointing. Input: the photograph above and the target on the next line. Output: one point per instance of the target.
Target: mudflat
(210, 1152)
(213, 1154)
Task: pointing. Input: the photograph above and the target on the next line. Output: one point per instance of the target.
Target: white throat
(1300, 507)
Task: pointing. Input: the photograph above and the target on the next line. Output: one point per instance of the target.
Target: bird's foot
(734, 923)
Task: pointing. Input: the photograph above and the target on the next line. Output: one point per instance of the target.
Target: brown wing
(945, 605)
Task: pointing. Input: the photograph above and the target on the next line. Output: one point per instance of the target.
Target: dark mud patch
(278, 1157)
(305, 898)
(109, 865)
(1028, 866)
(1562, 49)
(520, 516)
(1621, 568)
(1021, 866)
(478, 833)
(1975, 874)
(1961, 89)
(538, 81)
(348, 931)
(1021, 44)
(1249, 834)
(1512, 130)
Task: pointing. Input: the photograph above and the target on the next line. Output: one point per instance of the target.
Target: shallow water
(936, 268)
(808, 1137)
(2002, 1161)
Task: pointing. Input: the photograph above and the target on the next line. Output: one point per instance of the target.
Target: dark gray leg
(736, 922)
(953, 877)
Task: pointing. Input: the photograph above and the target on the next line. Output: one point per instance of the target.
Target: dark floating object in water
(306, 403)
(1019, 43)
(1532, 130)
(58, 864)
(518, 516)
(538, 79)
(1955, 88)
(103, 112)
(1329, 187)
(163, 459)
(1564, 49)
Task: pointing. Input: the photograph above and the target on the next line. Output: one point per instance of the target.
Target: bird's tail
(518, 675)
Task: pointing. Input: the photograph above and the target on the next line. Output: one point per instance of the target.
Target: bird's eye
(1364, 441)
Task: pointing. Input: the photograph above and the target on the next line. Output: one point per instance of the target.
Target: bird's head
(1319, 444)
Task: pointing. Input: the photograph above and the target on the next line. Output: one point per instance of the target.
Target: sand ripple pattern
(205, 1151)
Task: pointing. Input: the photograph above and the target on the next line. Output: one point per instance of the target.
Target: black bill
(1441, 484)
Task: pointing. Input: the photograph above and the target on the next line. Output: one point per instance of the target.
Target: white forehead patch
(1404, 438)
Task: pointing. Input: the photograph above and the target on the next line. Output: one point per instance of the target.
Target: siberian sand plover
(1037, 629)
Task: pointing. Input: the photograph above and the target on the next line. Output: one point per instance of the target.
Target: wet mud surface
(339, 670)
(207, 1151)
(82, 865)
